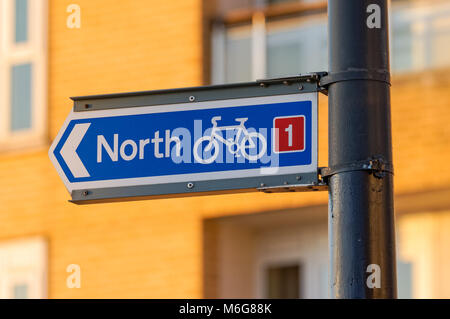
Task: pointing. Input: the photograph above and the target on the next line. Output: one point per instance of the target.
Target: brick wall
(154, 248)
(122, 46)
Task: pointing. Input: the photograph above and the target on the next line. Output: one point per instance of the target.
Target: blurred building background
(246, 245)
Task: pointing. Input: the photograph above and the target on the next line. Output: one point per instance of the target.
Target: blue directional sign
(220, 140)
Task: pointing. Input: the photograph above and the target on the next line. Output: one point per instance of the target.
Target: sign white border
(164, 179)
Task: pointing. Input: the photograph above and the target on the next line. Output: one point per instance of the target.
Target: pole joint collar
(381, 75)
(375, 165)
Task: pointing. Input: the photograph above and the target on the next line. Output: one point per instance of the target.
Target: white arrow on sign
(69, 150)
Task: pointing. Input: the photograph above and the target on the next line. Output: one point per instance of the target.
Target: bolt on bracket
(314, 77)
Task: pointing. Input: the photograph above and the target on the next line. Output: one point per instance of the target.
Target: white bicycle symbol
(234, 146)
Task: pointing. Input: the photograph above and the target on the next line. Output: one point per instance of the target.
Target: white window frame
(419, 15)
(300, 244)
(24, 261)
(33, 51)
(272, 262)
(259, 31)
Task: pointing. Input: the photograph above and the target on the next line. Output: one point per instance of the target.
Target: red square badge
(289, 133)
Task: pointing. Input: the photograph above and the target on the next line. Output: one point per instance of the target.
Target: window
(21, 20)
(20, 97)
(277, 254)
(283, 38)
(275, 39)
(421, 35)
(404, 279)
(23, 269)
(296, 46)
(238, 56)
(22, 73)
(283, 282)
(20, 291)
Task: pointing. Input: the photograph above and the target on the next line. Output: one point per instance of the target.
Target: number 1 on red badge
(289, 134)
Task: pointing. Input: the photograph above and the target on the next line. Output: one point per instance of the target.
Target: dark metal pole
(361, 213)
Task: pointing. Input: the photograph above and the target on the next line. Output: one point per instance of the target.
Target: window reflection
(420, 34)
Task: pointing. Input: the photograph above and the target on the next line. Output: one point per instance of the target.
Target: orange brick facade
(154, 249)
